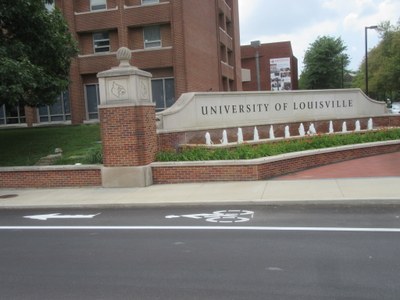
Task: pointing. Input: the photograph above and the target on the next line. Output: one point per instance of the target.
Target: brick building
(271, 66)
(187, 45)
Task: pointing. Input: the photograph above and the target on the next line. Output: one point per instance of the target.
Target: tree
(325, 64)
(383, 65)
(36, 48)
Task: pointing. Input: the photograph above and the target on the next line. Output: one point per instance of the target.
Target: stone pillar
(128, 125)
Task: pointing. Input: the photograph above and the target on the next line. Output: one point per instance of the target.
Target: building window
(92, 101)
(145, 2)
(152, 37)
(98, 4)
(12, 114)
(2, 115)
(163, 91)
(58, 112)
(101, 42)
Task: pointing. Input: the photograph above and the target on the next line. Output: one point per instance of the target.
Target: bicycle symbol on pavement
(220, 216)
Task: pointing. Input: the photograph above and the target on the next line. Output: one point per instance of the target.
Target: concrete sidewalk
(374, 178)
(257, 192)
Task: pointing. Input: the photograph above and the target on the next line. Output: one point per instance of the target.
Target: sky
(302, 21)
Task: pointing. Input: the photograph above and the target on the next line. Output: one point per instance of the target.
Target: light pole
(256, 45)
(342, 60)
(366, 56)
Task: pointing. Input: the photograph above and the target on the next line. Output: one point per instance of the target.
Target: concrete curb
(339, 191)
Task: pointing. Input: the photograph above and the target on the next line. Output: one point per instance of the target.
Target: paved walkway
(374, 179)
(374, 166)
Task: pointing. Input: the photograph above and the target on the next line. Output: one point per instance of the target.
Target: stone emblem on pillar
(125, 83)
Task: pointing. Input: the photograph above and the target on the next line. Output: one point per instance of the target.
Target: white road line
(206, 228)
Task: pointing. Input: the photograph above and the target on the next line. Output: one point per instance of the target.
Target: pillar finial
(124, 55)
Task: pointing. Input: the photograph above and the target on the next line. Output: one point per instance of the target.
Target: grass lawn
(25, 146)
(80, 144)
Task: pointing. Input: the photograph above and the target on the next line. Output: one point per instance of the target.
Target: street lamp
(256, 45)
(366, 56)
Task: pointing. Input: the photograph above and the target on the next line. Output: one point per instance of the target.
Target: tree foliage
(36, 48)
(324, 64)
(383, 65)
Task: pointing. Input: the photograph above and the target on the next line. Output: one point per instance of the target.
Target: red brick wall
(256, 170)
(147, 15)
(179, 48)
(81, 5)
(171, 173)
(30, 115)
(96, 21)
(89, 79)
(201, 45)
(190, 27)
(236, 44)
(162, 72)
(167, 173)
(76, 94)
(202, 42)
(147, 60)
(266, 52)
(185, 174)
(96, 63)
(128, 135)
(133, 135)
(34, 177)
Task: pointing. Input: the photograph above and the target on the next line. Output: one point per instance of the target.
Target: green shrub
(94, 155)
(247, 151)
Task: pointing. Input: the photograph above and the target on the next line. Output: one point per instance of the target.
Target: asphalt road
(202, 252)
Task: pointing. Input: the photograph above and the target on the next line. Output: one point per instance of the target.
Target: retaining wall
(180, 172)
(264, 168)
(50, 176)
(185, 172)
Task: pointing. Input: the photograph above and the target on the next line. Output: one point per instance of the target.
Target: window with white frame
(163, 90)
(58, 112)
(101, 42)
(145, 2)
(98, 4)
(92, 101)
(12, 114)
(152, 37)
(2, 114)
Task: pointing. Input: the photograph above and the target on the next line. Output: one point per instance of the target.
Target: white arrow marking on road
(172, 217)
(59, 216)
(194, 216)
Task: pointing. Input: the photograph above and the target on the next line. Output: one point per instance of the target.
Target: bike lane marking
(220, 216)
